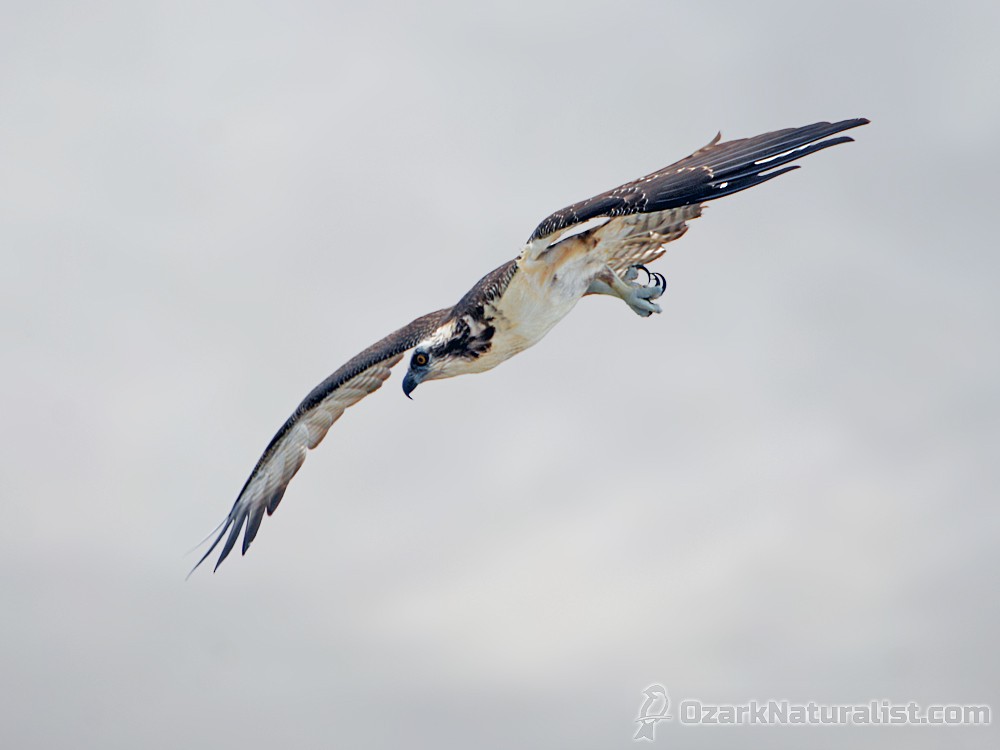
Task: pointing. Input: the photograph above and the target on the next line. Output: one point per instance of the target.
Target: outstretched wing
(659, 204)
(308, 425)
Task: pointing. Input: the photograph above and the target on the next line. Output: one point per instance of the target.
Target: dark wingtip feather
(234, 534)
(272, 504)
(222, 532)
(252, 525)
(233, 525)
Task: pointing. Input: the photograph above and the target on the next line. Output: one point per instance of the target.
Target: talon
(639, 297)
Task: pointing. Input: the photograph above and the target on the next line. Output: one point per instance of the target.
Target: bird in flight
(596, 246)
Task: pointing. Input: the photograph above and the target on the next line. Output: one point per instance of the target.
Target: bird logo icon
(652, 710)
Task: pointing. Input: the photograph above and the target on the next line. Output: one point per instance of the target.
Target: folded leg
(637, 296)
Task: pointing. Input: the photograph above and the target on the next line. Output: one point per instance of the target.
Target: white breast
(539, 295)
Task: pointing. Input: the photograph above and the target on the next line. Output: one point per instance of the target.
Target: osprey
(596, 246)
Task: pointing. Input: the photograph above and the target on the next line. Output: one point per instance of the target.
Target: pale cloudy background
(785, 486)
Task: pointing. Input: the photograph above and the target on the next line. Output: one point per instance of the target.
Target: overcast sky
(785, 486)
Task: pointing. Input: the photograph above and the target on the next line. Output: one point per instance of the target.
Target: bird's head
(424, 365)
(453, 349)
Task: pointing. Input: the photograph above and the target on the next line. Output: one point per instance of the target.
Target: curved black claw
(661, 280)
(649, 276)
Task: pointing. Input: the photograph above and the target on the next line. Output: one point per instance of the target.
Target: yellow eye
(420, 359)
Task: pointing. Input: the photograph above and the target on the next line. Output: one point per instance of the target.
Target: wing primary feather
(272, 504)
(762, 147)
(208, 536)
(234, 534)
(221, 528)
(252, 525)
(782, 157)
(742, 183)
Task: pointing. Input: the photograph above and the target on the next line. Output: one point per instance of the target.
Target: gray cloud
(784, 486)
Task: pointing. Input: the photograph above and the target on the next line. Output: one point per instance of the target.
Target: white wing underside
(285, 456)
(290, 451)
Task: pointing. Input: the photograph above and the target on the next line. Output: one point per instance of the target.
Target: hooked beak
(410, 383)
